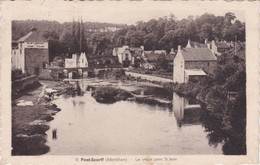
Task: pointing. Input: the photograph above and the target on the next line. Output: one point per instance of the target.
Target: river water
(169, 125)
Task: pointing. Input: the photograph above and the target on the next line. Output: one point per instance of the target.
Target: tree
(83, 41)
(137, 38)
(151, 26)
(229, 17)
(206, 32)
(237, 29)
(149, 41)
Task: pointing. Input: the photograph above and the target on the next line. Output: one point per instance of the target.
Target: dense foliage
(223, 93)
(166, 33)
(163, 33)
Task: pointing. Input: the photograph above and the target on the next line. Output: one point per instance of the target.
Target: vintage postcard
(129, 82)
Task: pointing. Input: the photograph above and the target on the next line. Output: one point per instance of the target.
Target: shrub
(110, 94)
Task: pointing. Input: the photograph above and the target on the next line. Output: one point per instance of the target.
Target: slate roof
(222, 45)
(170, 56)
(134, 51)
(198, 54)
(153, 56)
(197, 44)
(33, 36)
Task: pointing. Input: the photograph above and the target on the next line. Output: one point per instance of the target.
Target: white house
(83, 61)
(71, 62)
(77, 61)
(128, 55)
(192, 63)
(124, 55)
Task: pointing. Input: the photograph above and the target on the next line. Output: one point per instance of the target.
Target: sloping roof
(222, 45)
(152, 56)
(195, 72)
(33, 36)
(120, 50)
(198, 54)
(197, 44)
(170, 56)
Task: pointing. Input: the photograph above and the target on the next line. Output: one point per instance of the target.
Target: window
(20, 51)
(44, 65)
(208, 63)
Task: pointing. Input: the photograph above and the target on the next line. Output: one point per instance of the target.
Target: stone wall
(35, 59)
(148, 77)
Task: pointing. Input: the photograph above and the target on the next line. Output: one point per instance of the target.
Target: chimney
(172, 50)
(206, 41)
(208, 45)
(179, 48)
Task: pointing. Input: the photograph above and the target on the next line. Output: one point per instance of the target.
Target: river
(171, 125)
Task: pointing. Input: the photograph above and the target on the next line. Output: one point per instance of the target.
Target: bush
(110, 94)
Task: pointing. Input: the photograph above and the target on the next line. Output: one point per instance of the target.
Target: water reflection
(128, 127)
(185, 111)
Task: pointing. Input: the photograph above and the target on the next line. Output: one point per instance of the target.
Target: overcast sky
(125, 12)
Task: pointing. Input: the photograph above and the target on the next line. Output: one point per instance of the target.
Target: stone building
(192, 63)
(31, 54)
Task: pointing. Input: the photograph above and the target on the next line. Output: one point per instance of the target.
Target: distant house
(71, 62)
(191, 63)
(153, 57)
(127, 56)
(220, 47)
(83, 61)
(31, 54)
(77, 61)
(194, 44)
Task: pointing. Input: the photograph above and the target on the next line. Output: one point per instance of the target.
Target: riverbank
(32, 109)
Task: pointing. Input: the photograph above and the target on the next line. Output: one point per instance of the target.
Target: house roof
(170, 56)
(222, 45)
(198, 54)
(33, 36)
(197, 44)
(195, 72)
(152, 56)
(120, 50)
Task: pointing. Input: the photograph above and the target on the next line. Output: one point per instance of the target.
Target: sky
(122, 12)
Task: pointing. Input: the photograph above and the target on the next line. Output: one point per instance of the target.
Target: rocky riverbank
(32, 109)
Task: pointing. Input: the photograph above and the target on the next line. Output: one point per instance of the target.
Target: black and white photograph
(127, 81)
